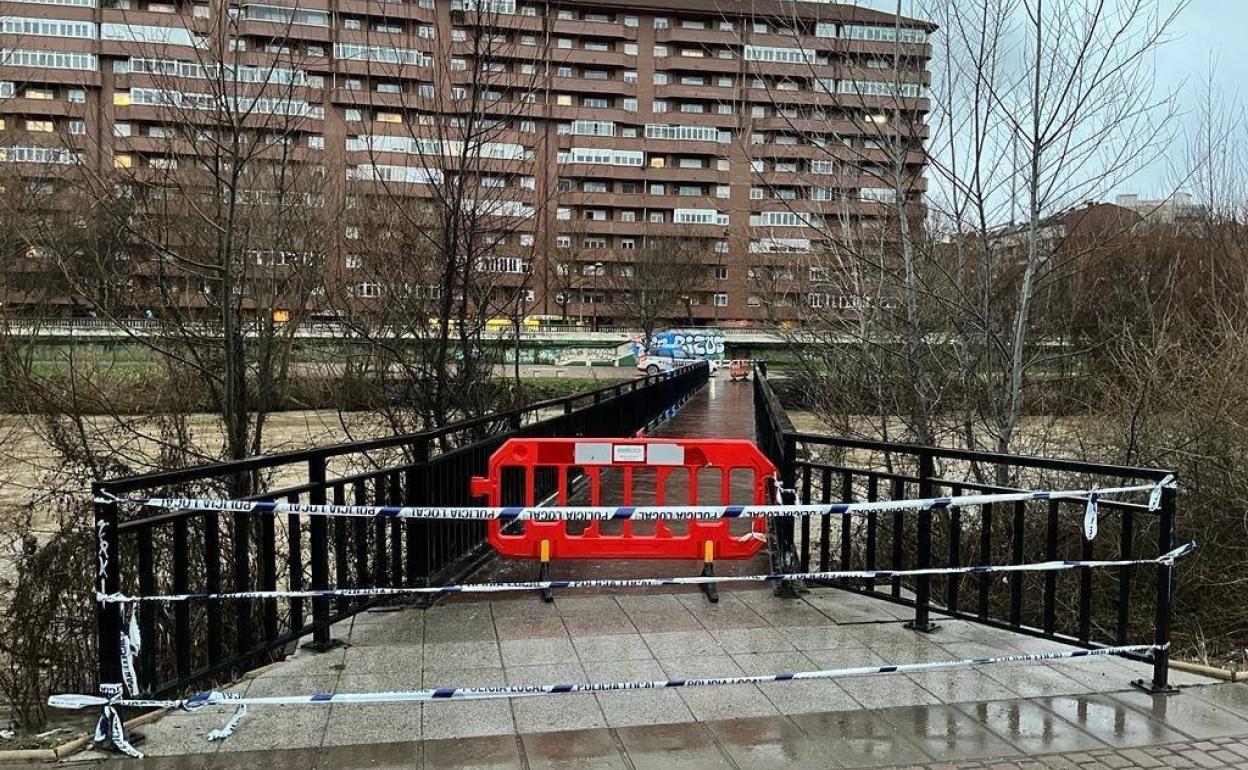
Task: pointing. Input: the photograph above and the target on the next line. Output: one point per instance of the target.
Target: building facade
(762, 131)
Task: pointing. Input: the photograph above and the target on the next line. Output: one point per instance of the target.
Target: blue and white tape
(534, 585)
(622, 513)
(491, 692)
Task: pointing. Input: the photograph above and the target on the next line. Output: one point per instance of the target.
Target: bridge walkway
(1002, 711)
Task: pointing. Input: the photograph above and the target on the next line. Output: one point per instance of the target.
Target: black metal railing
(1084, 607)
(184, 551)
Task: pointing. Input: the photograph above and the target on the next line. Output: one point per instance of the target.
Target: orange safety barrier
(739, 369)
(613, 468)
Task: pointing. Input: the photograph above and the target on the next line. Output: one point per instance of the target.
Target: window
(564, 42)
(723, 164)
(883, 34)
(563, 242)
(657, 188)
(660, 78)
(756, 193)
(526, 239)
(630, 105)
(692, 80)
(719, 272)
(724, 81)
(76, 96)
(660, 51)
(563, 100)
(630, 21)
(39, 126)
(57, 60)
(76, 127)
(122, 129)
(389, 117)
(18, 25)
(699, 217)
(352, 114)
(350, 23)
(630, 49)
(825, 29)
(352, 261)
(596, 103)
(661, 22)
(122, 160)
(721, 299)
(630, 77)
(722, 191)
(425, 31)
(628, 216)
(352, 84)
(659, 106)
(779, 55)
(691, 108)
(758, 111)
(41, 94)
(595, 242)
(656, 217)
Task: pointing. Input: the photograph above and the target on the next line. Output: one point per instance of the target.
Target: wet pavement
(998, 711)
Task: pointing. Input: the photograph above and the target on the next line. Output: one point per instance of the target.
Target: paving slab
(573, 750)
(945, 733)
(770, 743)
(639, 707)
(1193, 717)
(862, 738)
(672, 747)
(1030, 728)
(1110, 720)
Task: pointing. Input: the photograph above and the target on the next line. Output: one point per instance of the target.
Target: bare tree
(453, 182)
(662, 278)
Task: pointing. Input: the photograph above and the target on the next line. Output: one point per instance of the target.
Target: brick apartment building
(761, 128)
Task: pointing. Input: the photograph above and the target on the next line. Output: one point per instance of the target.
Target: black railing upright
(1068, 607)
(193, 551)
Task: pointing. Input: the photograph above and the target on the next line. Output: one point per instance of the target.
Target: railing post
(108, 581)
(318, 533)
(784, 524)
(1165, 575)
(923, 583)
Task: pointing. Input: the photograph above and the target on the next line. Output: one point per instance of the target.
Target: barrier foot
(1147, 686)
(711, 589)
(543, 574)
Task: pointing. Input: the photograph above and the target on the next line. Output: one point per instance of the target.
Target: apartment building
(766, 130)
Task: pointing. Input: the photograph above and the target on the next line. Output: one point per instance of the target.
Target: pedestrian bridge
(1083, 707)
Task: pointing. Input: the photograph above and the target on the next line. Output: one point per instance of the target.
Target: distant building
(739, 124)
(1178, 209)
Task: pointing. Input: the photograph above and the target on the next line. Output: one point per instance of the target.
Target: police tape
(635, 513)
(489, 692)
(534, 585)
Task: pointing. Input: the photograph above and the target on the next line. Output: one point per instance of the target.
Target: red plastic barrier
(672, 463)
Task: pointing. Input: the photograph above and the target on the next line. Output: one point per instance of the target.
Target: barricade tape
(636, 513)
(492, 692)
(532, 585)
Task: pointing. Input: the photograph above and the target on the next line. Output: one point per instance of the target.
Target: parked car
(665, 359)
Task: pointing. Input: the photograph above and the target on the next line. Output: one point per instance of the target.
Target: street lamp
(599, 269)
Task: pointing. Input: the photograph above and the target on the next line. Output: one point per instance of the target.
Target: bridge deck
(893, 719)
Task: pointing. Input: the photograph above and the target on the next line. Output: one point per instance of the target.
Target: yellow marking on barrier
(545, 551)
(708, 551)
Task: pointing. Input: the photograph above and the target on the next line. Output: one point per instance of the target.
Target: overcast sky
(1209, 33)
